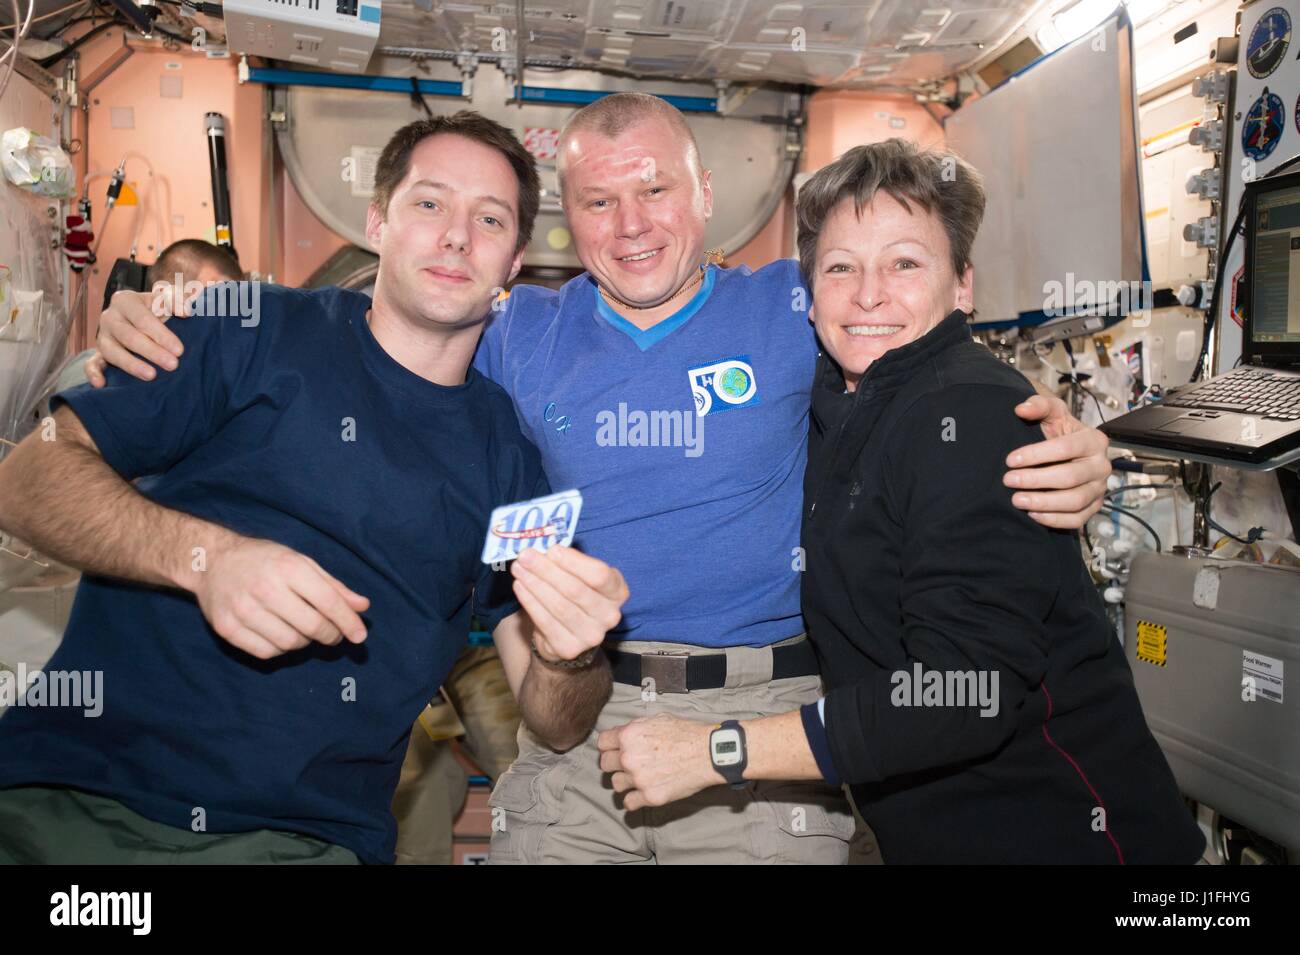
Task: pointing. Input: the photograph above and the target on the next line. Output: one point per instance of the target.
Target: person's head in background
(181, 271)
(194, 260)
(185, 268)
(636, 195)
(454, 202)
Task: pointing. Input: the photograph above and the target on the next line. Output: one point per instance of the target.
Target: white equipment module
(1066, 119)
(335, 35)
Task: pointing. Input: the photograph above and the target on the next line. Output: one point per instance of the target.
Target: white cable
(140, 156)
(21, 33)
(11, 57)
(26, 26)
(52, 14)
(18, 15)
(145, 209)
(91, 176)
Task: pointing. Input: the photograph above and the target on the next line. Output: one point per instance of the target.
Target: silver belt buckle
(666, 669)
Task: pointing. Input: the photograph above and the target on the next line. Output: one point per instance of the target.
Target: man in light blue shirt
(676, 396)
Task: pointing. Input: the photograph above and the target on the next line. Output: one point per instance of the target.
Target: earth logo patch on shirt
(723, 385)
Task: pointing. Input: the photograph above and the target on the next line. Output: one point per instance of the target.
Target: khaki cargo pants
(433, 785)
(560, 808)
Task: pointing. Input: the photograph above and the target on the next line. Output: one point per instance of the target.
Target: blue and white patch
(1263, 126)
(1268, 42)
(542, 523)
(723, 385)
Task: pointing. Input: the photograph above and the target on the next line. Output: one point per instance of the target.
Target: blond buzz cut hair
(613, 115)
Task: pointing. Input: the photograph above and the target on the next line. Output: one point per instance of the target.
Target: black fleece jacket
(916, 562)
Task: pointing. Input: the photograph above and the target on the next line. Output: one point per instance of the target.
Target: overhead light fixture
(1072, 23)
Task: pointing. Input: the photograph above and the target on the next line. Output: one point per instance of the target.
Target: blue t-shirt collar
(648, 338)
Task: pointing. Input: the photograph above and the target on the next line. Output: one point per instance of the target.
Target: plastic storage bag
(36, 163)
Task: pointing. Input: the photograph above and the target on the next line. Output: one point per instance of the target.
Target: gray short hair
(612, 115)
(938, 181)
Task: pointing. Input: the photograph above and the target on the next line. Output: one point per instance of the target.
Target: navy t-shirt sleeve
(494, 597)
(145, 427)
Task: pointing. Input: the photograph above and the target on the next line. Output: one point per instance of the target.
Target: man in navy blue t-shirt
(320, 474)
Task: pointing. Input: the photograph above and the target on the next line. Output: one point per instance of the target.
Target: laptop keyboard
(1254, 391)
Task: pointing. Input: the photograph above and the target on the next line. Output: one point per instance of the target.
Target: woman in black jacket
(976, 702)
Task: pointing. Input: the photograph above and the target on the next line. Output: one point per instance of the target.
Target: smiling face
(448, 241)
(637, 205)
(882, 280)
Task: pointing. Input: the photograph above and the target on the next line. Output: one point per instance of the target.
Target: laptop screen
(1275, 278)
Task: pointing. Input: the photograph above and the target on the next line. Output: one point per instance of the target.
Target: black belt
(681, 672)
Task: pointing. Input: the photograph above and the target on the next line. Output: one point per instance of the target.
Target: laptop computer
(1250, 415)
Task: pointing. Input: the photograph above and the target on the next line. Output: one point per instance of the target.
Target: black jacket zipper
(839, 436)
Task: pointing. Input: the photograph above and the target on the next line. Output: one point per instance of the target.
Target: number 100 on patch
(541, 524)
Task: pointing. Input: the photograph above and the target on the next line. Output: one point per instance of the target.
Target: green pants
(57, 826)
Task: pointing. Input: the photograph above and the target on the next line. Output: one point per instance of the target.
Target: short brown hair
(612, 115)
(188, 256)
(940, 182)
(395, 161)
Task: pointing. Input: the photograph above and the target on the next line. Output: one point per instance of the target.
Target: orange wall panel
(837, 121)
(127, 114)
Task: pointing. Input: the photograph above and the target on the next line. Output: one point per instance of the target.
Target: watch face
(725, 745)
